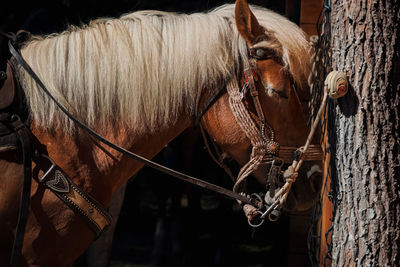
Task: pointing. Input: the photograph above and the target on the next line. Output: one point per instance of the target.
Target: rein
(62, 186)
(159, 167)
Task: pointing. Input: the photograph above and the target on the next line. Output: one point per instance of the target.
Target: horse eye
(261, 53)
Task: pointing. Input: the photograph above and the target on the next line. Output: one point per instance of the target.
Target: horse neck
(95, 167)
(146, 144)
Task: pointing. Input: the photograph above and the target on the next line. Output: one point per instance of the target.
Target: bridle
(261, 135)
(265, 149)
(256, 128)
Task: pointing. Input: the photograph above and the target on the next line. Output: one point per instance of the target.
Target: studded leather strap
(83, 204)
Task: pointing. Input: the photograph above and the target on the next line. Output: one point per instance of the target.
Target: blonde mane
(146, 68)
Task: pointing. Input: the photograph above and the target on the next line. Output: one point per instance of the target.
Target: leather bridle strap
(54, 178)
(179, 175)
(271, 147)
(23, 134)
(313, 153)
(250, 128)
(210, 101)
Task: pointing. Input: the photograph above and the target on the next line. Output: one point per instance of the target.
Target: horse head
(280, 80)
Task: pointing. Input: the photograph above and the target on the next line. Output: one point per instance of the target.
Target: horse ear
(247, 23)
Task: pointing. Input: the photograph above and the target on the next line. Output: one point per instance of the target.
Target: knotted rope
(264, 145)
(251, 130)
(291, 173)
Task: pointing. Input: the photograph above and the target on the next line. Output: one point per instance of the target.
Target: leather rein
(154, 165)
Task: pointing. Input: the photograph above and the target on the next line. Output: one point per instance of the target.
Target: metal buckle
(278, 166)
(53, 165)
(273, 174)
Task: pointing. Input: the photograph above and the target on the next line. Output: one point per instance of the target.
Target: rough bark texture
(366, 45)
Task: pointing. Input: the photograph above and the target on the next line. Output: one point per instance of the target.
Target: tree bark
(366, 45)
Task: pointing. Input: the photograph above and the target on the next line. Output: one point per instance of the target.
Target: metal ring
(274, 215)
(261, 220)
(256, 197)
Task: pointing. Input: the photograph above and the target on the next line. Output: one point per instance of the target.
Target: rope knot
(250, 211)
(290, 175)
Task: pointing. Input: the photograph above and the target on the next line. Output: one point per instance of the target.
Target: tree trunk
(366, 45)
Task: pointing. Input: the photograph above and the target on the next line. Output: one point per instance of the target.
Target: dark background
(164, 222)
(48, 16)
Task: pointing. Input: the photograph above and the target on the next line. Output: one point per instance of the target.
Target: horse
(138, 80)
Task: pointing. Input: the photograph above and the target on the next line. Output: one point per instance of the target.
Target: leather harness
(17, 134)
